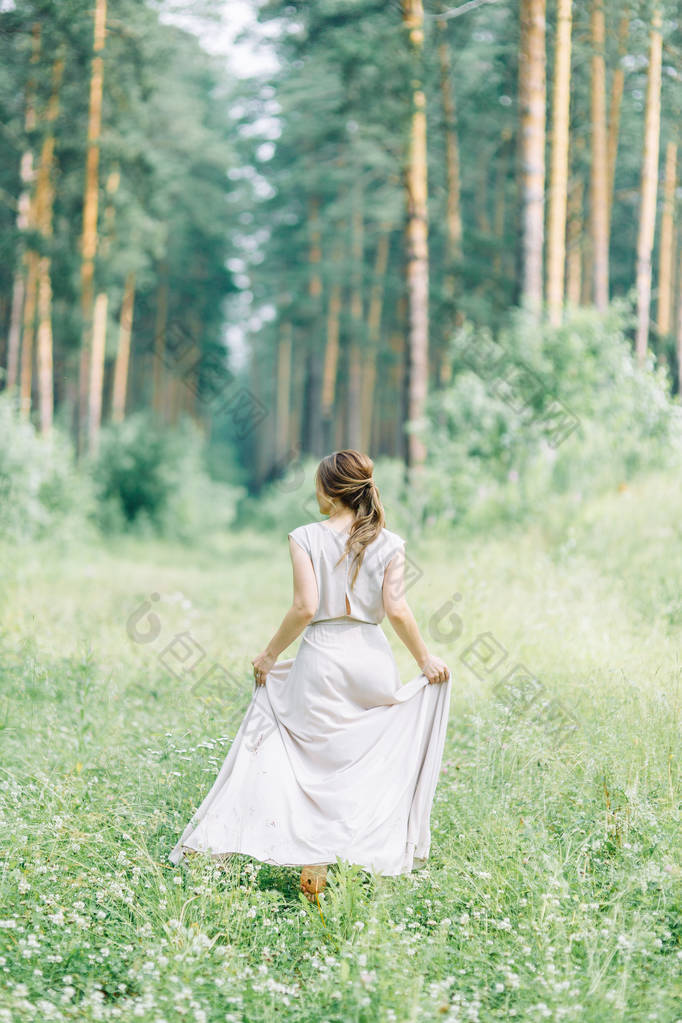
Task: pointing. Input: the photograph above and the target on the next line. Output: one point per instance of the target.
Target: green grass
(554, 887)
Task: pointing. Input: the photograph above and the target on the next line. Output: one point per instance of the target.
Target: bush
(152, 479)
(496, 445)
(41, 491)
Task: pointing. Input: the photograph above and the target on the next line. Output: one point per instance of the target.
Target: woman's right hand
(435, 669)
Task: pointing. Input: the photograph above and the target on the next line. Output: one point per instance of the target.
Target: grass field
(554, 886)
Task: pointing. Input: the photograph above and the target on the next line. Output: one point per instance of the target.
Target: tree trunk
(27, 334)
(417, 237)
(24, 220)
(45, 370)
(556, 229)
(45, 191)
(14, 334)
(453, 208)
(355, 348)
(532, 98)
(297, 392)
(400, 384)
(373, 335)
(614, 112)
(599, 196)
(331, 354)
(647, 212)
(500, 212)
(99, 343)
(667, 245)
(679, 321)
(283, 393)
(118, 398)
(574, 255)
(90, 202)
(99, 332)
(314, 403)
(160, 326)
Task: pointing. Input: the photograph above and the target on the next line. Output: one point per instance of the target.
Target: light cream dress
(334, 757)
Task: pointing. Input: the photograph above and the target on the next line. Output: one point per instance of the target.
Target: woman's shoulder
(390, 538)
(386, 543)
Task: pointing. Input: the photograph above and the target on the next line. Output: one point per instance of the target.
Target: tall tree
(617, 84)
(574, 241)
(46, 191)
(599, 197)
(120, 384)
(649, 184)
(558, 186)
(331, 352)
(453, 206)
(532, 100)
(314, 439)
(417, 236)
(90, 205)
(667, 245)
(679, 319)
(357, 332)
(23, 220)
(373, 336)
(283, 403)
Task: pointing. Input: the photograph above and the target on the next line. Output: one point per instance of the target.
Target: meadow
(554, 885)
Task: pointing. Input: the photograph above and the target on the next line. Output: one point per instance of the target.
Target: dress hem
(178, 855)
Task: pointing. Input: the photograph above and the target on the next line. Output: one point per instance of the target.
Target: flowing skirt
(334, 758)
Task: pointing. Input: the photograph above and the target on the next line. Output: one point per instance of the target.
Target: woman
(334, 757)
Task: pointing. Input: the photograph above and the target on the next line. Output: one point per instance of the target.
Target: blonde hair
(346, 476)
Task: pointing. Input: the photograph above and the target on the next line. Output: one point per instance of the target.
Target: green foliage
(498, 448)
(152, 479)
(41, 492)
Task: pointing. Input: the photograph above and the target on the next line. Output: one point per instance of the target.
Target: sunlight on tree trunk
(90, 202)
(417, 236)
(46, 191)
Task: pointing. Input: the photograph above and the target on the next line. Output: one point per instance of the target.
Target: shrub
(41, 491)
(494, 447)
(152, 479)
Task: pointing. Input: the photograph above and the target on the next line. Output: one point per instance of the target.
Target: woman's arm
(400, 616)
(302, 610)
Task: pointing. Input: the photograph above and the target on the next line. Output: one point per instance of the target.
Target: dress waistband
(343, 620)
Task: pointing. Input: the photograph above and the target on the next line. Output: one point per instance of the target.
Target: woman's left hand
(262, 664)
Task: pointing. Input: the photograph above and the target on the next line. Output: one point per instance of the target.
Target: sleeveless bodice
(365, 597)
